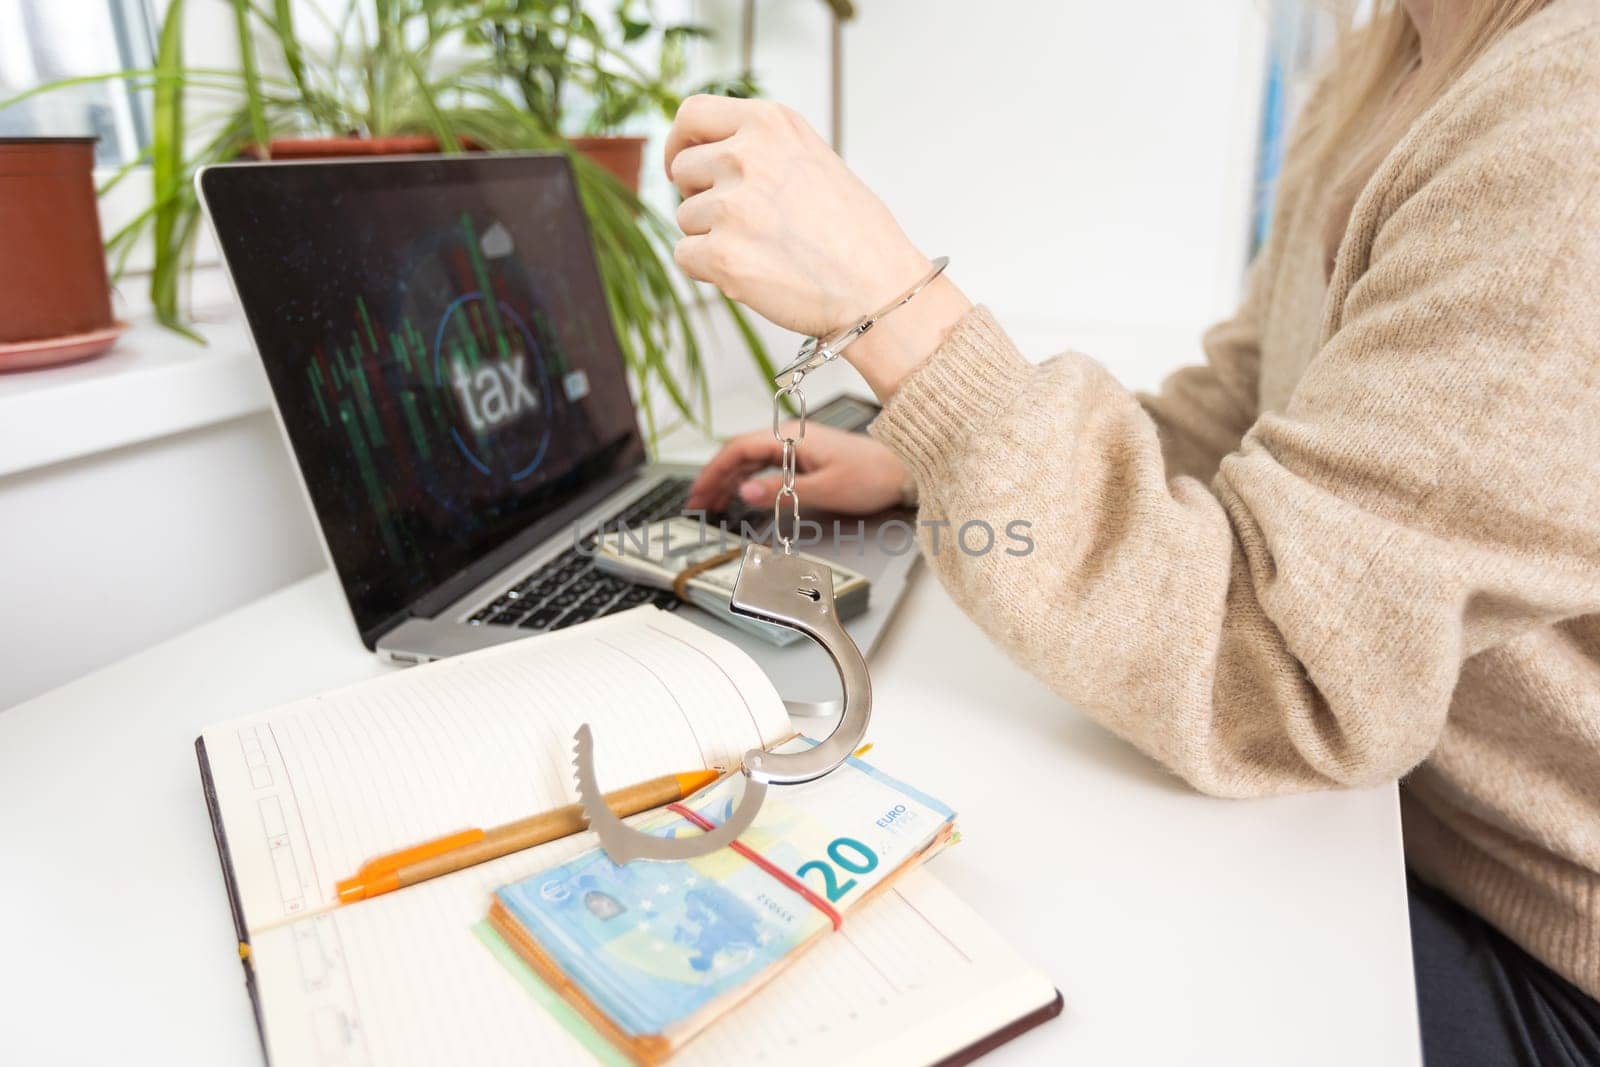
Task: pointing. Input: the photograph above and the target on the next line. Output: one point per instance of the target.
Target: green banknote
(653, 945)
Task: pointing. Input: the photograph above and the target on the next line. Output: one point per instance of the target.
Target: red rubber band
(767, 865)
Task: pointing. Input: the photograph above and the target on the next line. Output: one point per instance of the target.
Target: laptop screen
(437, 339)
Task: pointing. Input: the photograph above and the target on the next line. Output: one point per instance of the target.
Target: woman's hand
(844, 472)
(775, 219)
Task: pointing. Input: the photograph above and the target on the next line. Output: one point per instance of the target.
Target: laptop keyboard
(569, 589)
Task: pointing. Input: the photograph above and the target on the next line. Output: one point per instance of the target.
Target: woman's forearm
(900, 341)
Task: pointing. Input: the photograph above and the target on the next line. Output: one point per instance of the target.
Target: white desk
(1182, 930)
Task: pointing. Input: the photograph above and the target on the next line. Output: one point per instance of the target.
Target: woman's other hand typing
(843, 472)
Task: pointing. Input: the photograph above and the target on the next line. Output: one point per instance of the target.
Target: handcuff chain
(789, 462)
(814, 353)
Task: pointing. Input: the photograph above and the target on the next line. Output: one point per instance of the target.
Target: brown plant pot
(52, 262)
(622, 156)
(341, 147)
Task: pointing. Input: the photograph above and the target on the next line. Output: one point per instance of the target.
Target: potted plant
(560, 59)
(416, 75)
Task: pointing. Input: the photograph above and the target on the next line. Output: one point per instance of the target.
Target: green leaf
(166, 161)
(252, 81)
(147, 77)
(283, 26)
(441, 128)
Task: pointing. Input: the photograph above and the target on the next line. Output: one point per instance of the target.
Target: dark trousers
(1484, 1001)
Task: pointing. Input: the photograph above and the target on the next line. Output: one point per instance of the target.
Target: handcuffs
(784, 589)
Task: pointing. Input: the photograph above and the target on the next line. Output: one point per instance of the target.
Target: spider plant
(409, 67)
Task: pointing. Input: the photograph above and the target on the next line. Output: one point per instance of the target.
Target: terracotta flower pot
(340, 147)
(52, 261)
(622, 156)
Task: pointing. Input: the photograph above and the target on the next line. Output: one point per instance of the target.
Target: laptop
(445, 371)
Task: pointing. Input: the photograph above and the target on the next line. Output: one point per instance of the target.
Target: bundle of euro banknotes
(651, 953)
(657, 554)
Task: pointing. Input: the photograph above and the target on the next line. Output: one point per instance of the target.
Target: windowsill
(155, 383)
(152, 384)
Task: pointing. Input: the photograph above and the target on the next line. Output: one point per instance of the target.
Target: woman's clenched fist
(773, 217)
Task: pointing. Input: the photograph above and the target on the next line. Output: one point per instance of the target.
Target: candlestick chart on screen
(450, 387)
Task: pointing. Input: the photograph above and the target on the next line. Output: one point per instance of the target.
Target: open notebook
(301, 795)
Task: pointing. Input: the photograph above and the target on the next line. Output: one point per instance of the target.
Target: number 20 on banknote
(849, 854)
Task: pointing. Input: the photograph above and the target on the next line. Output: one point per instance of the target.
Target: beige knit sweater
(1362, 542)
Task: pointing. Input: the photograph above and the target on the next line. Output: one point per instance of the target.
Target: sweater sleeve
(1201, 412)
(1432, 489)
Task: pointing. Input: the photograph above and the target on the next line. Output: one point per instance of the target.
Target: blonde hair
(1379, 86)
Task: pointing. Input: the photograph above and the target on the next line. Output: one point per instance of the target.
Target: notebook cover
(235, 905)
(985, 1045)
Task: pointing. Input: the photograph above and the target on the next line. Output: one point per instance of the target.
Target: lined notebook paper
(304, 794)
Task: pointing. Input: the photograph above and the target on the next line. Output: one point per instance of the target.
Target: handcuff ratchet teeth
(623, 843)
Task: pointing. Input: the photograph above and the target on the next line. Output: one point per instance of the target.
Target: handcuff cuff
(783, 589)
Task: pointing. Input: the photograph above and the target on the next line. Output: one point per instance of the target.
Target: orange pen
(466, 848)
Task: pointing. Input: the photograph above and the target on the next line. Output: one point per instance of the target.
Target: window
(43, 41)
(1299, 38)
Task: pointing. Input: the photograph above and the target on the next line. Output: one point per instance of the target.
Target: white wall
(111, 553)
(1086, 166)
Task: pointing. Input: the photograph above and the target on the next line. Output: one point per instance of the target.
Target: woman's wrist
(898, 343)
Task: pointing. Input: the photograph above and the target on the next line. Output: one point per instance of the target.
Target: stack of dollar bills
(651, 953)
(655, 554)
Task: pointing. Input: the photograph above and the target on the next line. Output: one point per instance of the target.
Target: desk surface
(1181, 929)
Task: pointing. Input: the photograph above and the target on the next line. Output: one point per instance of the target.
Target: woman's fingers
(710, 250)
(702, 119)
(697, 214)
(742, 456)
(763, 491)
(695, 255)
(700, 167)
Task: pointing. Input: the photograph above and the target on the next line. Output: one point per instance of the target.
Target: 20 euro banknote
(662, 948)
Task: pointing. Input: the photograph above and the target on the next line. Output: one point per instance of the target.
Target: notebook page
(311, 790)
(909, 979)
(402, 980)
